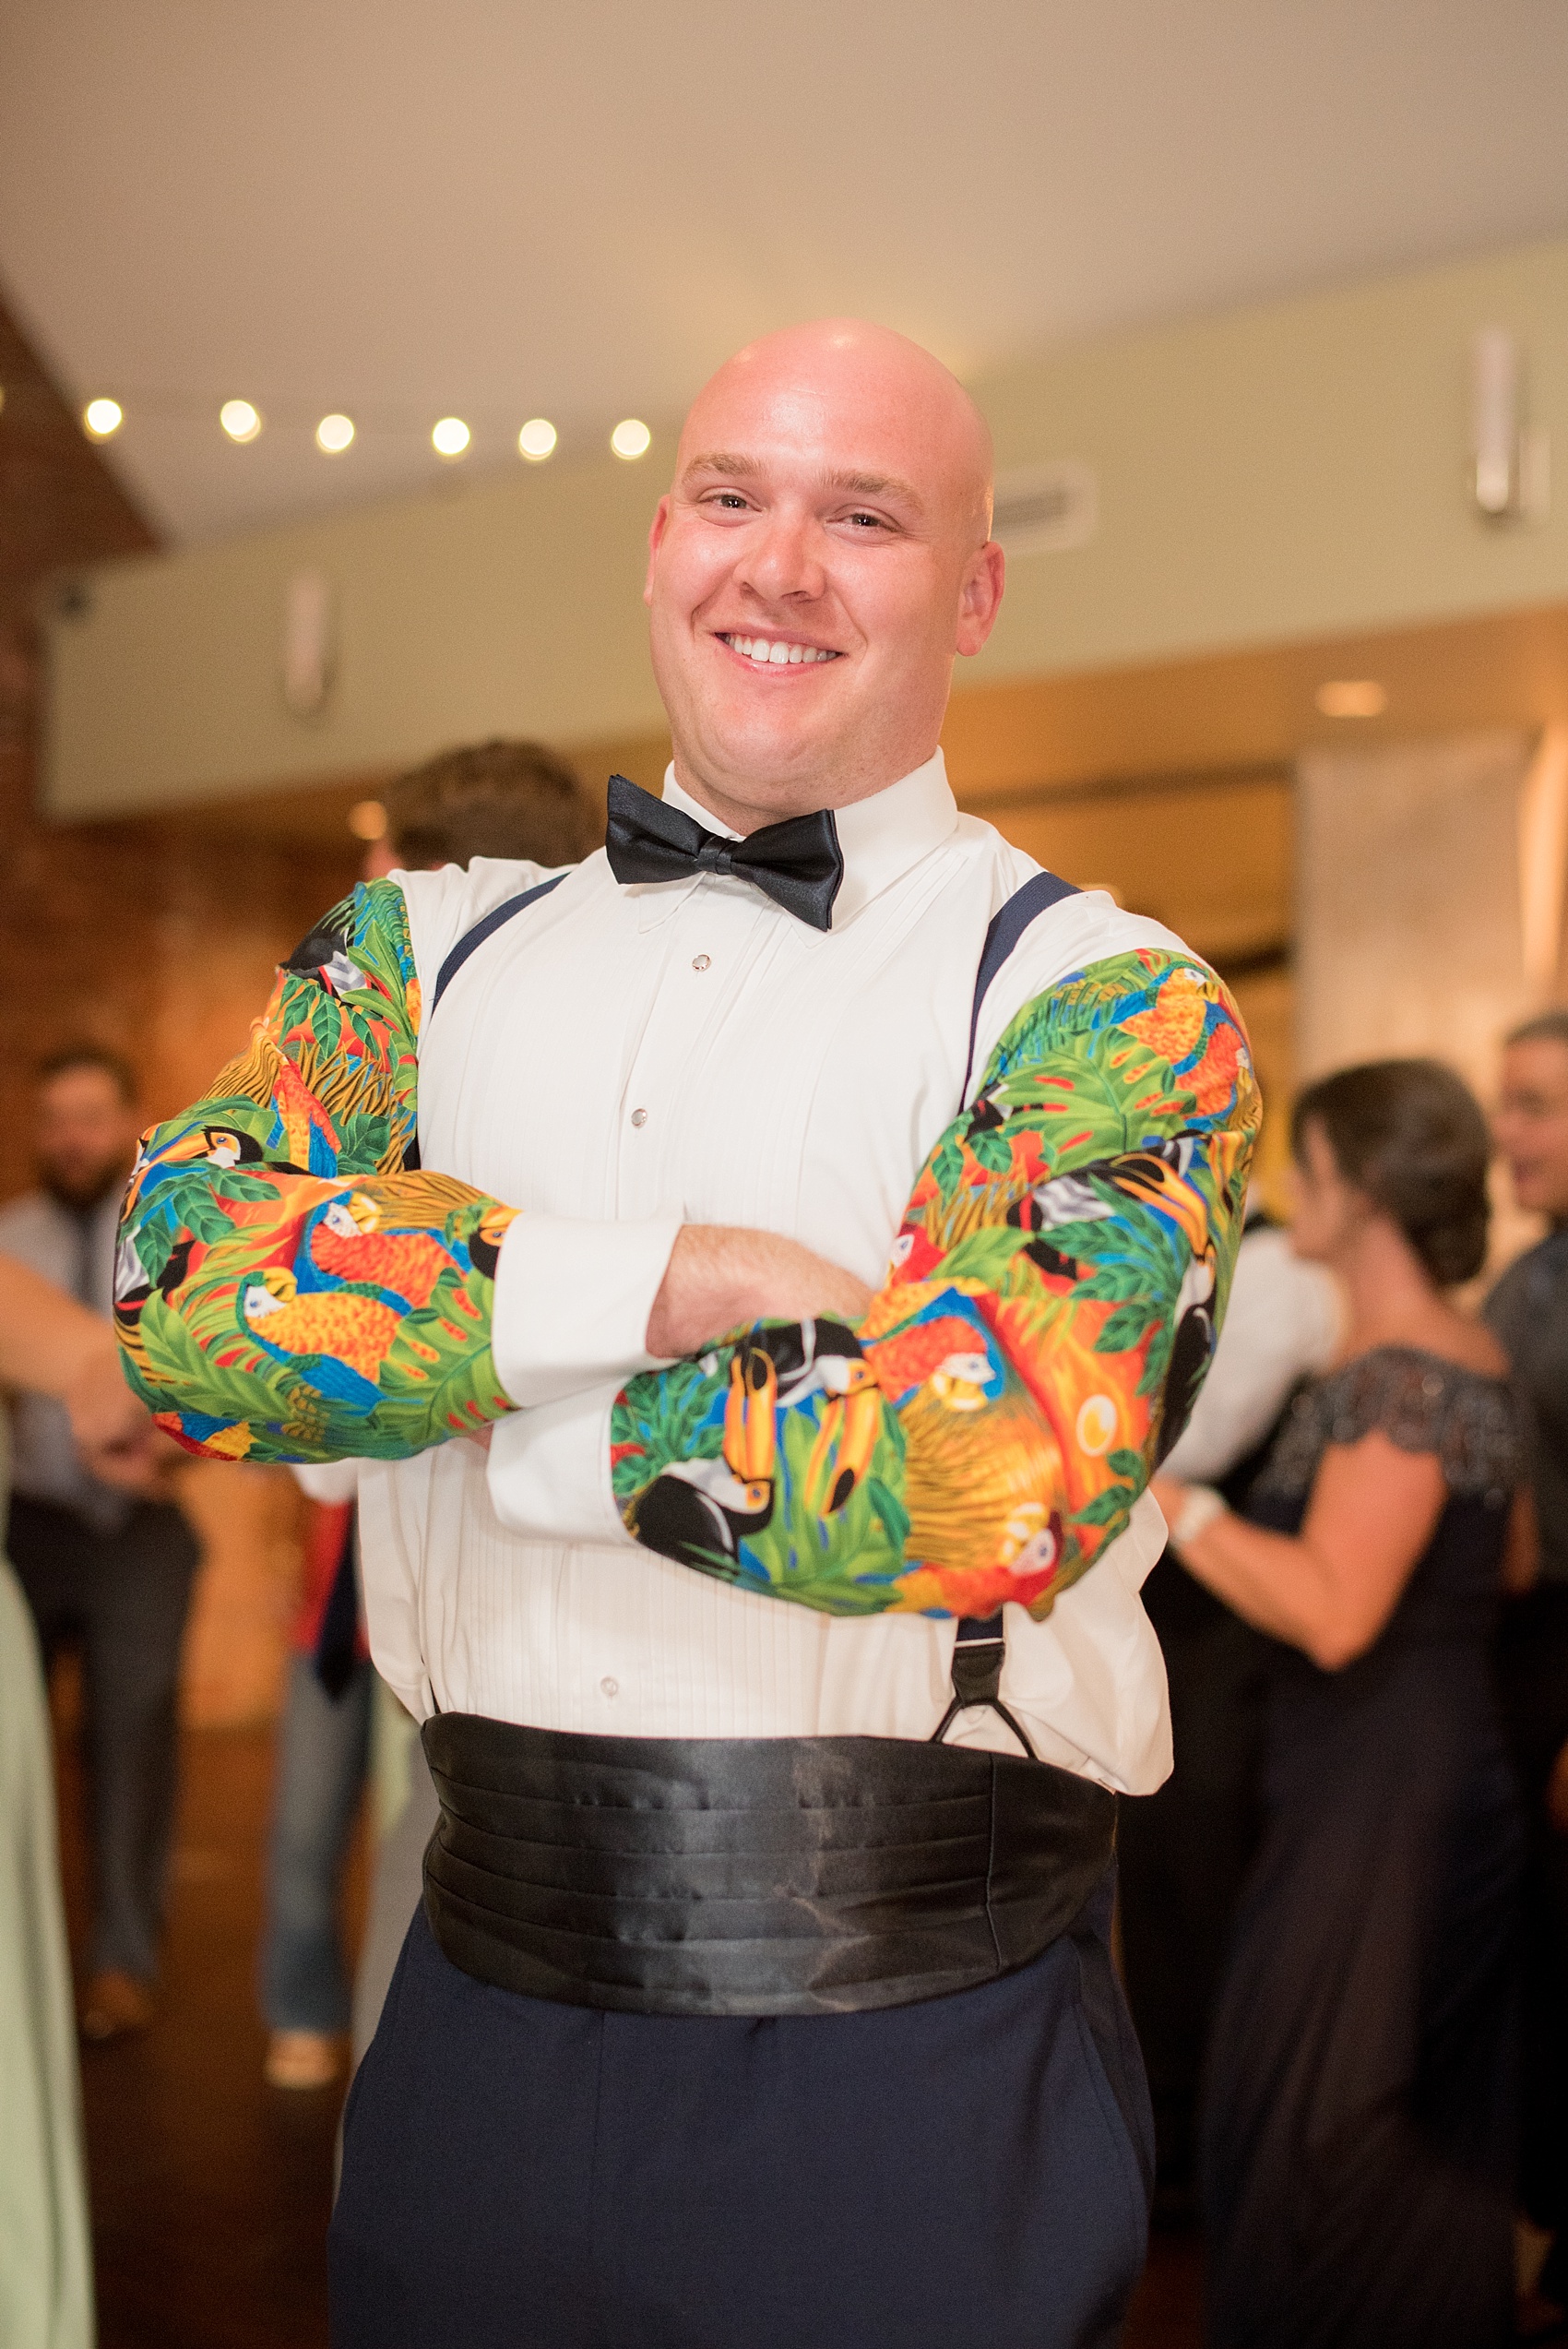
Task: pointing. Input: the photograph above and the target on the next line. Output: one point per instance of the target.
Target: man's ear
(657, 529)
(980, 599)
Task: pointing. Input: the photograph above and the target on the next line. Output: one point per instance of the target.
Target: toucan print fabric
(1052, 1302)
(292, 1286)
(288, 1288)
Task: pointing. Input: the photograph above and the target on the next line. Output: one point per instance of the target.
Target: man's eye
(730, 499)
(865, 522)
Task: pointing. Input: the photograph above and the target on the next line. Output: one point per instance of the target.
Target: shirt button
(639, 1117)
(608, 1687)
(700, 961)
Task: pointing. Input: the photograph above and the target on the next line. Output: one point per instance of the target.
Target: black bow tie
(799, 863)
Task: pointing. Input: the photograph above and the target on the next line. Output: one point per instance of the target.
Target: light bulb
(537, 439)
(334, 434)
(102, 417)
(1352, 697)
(239, 420)
(450, 437)
(631, 439)
(367, 819)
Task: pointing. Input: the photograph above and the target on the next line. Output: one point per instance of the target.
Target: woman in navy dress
(1358, 2111)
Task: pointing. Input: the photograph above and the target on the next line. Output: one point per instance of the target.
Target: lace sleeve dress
(1357, 2121)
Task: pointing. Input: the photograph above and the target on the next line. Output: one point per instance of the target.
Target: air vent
(1045, 509)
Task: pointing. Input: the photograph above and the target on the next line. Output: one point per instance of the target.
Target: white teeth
(778, 656)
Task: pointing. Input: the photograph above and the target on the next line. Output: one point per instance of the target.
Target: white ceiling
(412, 208)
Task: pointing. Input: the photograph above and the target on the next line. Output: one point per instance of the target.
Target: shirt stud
(700, 961)
(639, 1117)
(609, 1686)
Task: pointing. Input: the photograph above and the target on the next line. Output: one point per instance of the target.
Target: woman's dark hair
(1412, 1135)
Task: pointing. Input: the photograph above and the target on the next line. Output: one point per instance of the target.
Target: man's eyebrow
(875, 485)
(719, 460)
(724, 463)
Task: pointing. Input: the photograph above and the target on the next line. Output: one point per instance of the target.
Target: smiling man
(761, 1265)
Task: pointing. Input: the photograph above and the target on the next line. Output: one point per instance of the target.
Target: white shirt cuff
(331, 1481)
(549, 1471)
(572, 1302)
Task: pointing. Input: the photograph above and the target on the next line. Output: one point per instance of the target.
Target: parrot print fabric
(1051, 1302)
(287, 1287)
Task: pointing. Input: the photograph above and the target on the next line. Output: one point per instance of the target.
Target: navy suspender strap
(467, 944)
(472, 939)
(981, 1646)
(1038, 894)
(977, 1655)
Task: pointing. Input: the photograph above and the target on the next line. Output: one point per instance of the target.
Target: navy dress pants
(968, 2172)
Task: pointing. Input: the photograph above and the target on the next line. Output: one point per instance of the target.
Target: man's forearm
(47, 1339)
(721, 1278)
(985, 1431)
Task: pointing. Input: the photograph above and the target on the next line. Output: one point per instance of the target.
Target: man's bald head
(821, 557)
(849, 364)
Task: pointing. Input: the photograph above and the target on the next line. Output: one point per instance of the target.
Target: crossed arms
(292, 1288)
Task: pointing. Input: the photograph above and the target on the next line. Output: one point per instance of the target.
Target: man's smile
(775, 652)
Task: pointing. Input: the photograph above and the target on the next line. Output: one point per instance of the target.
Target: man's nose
(785, 558)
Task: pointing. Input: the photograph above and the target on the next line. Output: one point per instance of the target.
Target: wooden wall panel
(158, 938)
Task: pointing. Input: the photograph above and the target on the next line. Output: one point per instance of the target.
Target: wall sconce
(309, 652)
(1543, 857)
(1510, 475)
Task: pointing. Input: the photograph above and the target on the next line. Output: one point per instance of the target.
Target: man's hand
(720, 1279)
(114, 1434)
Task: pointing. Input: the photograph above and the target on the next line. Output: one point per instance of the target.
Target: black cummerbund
(773, 1876)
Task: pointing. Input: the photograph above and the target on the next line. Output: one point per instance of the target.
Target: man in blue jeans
(104, 1571)
(500, 799)
(322, 1748)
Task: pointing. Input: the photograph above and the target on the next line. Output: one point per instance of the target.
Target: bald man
(764, 1262)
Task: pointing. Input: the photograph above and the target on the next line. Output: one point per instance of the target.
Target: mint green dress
(45, 2247)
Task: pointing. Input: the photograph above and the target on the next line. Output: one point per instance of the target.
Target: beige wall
(1281, 473)
(1409, 938)
(1408, 934)
(1292, 470)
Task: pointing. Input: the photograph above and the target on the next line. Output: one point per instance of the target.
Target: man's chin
(776, 758)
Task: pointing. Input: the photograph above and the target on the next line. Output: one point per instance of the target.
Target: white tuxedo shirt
(615, 1061)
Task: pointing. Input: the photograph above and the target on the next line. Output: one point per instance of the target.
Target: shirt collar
(882, 838)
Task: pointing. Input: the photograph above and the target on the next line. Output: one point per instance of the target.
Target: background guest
(1528, 1310)
(323, 1744)
(1183, 1853)
(482, 800)
(102, 1569)
(65, 1353)
(519, 802)
(1357, 2115)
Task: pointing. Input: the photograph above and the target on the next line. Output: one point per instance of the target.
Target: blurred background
(344, 350)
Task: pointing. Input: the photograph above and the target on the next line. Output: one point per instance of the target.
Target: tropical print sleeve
(1053, 1300)
(289, 1286)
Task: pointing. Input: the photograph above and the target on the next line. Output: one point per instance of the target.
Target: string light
(1352, 697)
(334, 433)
